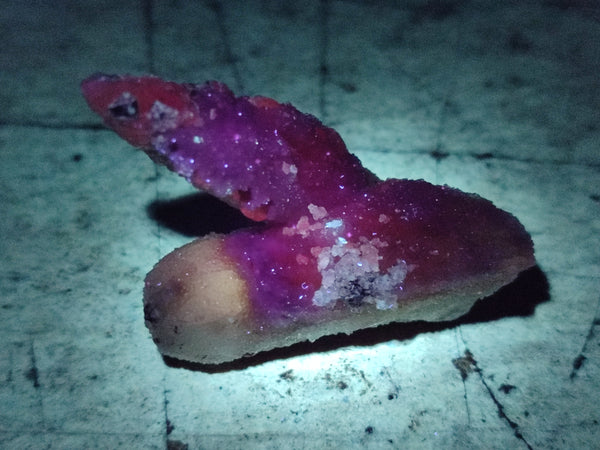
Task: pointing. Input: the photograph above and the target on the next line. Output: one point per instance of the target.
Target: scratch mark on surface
(393, 394)
(464, 367)
(169, 427)
(501, 413)
(580, 359)
(32, 374)
(171, 444)
(467, 365)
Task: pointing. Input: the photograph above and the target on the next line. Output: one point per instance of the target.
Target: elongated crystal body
(337, 249)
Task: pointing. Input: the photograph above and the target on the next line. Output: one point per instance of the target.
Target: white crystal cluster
(350, 273)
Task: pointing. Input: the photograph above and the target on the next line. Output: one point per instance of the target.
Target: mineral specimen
(337, 249)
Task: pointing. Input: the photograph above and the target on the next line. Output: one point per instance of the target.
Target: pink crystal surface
(333, 235)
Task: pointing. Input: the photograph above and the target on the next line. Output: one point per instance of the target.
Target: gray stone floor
(498, 98)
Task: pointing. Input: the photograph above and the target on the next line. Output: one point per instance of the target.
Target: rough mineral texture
(335, 248)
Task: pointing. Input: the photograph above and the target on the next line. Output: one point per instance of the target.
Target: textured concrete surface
(498, 98)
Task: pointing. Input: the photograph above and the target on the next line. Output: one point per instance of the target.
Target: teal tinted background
(497, 98)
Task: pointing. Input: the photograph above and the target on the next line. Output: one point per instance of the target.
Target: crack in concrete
(466, 365)
(580, 359)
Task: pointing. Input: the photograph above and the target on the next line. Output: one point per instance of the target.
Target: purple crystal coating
(396, 241)
(336, 236)
(265, 156)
